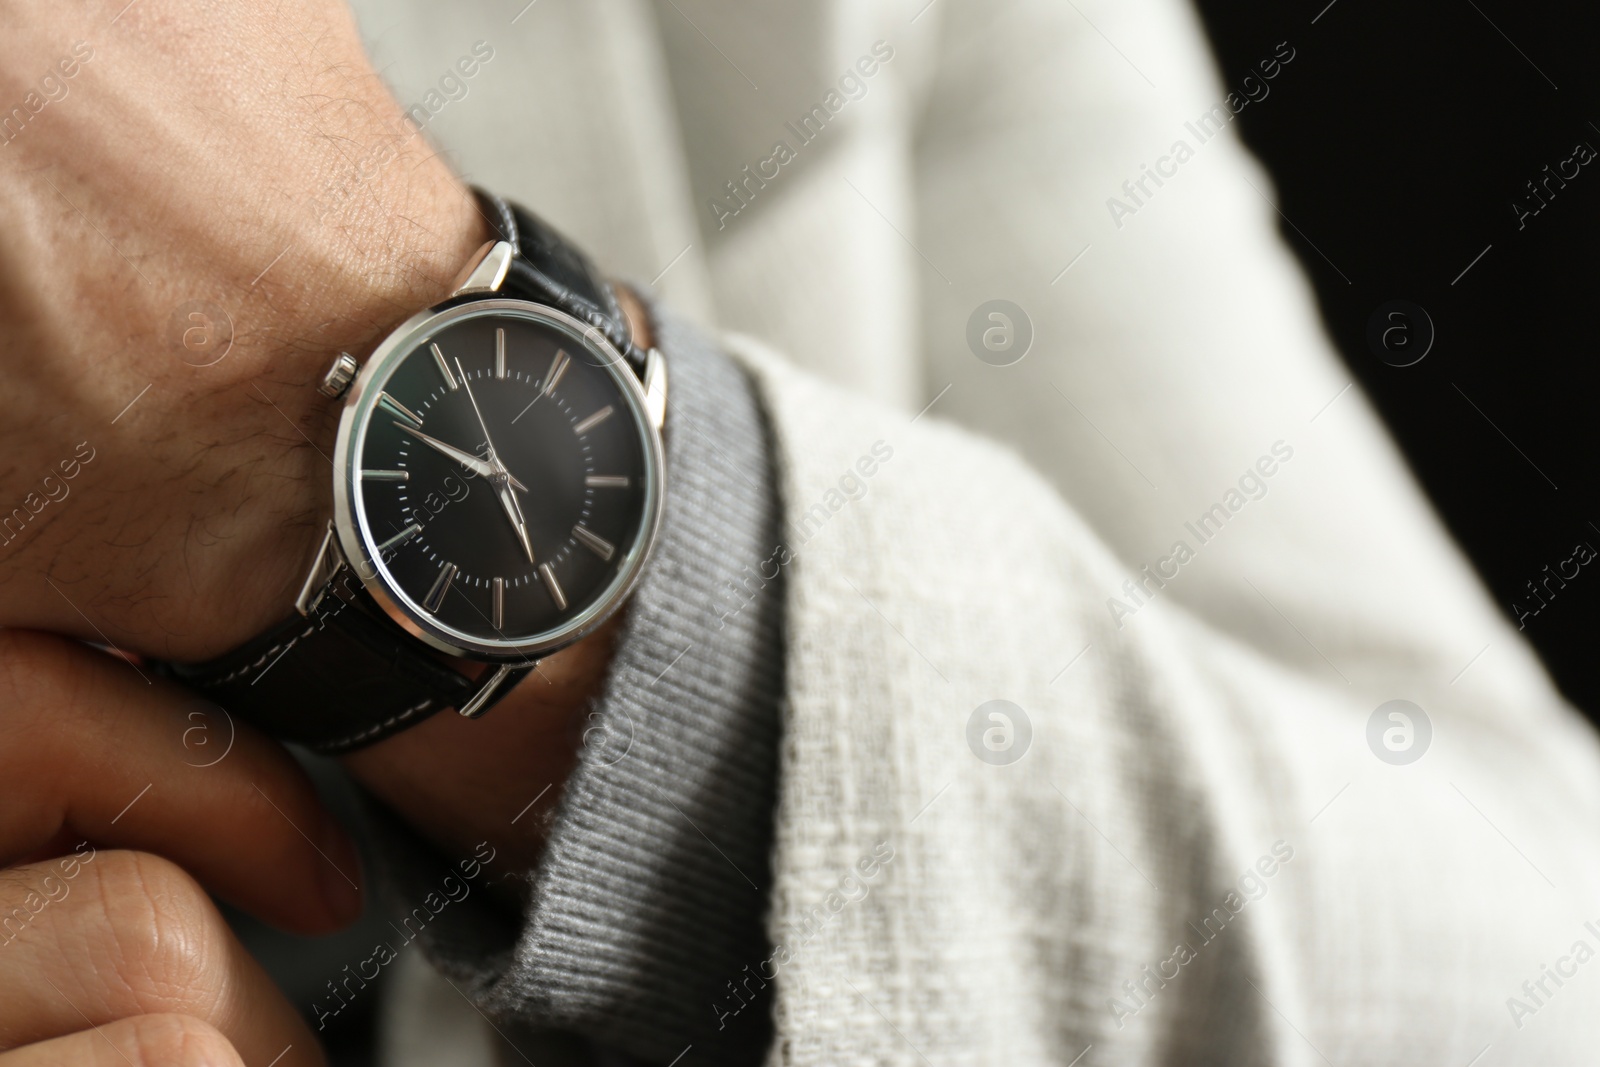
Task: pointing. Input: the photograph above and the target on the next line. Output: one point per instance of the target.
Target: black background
(1399, 138)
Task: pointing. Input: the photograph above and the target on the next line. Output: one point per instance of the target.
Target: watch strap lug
(494, 685)
(655, 387)
(486, 271)
(325, 568)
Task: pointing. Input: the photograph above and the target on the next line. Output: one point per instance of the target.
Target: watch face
(501, 478)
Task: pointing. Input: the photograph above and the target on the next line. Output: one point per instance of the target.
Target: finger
(142, 1041)
(133, 934)
(91, 751)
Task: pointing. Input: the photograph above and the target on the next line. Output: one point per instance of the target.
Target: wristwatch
(498, 484)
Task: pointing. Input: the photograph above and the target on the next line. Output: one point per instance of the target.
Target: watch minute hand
(508, 500)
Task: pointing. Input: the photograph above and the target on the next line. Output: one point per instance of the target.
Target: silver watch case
(350, 539)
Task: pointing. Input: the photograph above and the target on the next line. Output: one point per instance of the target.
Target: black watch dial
(505, 479)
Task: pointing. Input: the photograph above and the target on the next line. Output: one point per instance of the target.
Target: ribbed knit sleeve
(647, 906)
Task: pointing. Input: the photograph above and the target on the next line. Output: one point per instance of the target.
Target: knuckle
(171, 1040)
(171, 949)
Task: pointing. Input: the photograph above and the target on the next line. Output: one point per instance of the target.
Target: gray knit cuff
(650, 897)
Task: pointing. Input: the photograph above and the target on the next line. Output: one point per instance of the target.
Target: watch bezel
(349, 513)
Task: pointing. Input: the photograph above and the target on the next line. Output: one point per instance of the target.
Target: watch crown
(340, 374)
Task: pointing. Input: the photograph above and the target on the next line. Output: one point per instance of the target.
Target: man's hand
(196, 218)
(109, 952)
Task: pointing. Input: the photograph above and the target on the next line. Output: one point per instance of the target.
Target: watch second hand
(494, 457)
(508, 499)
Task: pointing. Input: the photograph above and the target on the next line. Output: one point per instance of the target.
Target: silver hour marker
(594, 542)
(400, 538)
(444, 368)
(592, 421)
(606, 481)
(499, 611)
(499, 352)
(385, 476)
(558, 367)
(441, 586)
(394, 407)
(553, 586)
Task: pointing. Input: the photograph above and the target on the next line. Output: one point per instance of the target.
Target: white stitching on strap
(361, 735)
(269, 655)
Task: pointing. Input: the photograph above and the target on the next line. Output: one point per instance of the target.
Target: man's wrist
(639, 325)
(187, 282)
(366, 314)
(367, 276)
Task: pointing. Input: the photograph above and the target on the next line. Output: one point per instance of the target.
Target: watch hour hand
(461, 456)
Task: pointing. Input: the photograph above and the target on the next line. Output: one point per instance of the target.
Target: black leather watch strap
(346, 676)
(549, 269)
(335, 680)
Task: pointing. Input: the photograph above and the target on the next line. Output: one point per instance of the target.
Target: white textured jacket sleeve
(1197, 856)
